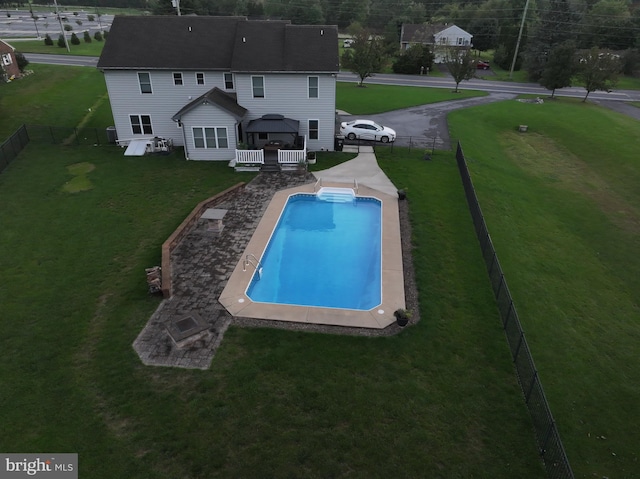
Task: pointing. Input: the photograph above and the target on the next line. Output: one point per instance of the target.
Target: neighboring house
(438, 37)
(8, 62)
(207, 82)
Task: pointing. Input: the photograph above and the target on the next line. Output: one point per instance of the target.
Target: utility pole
(515, 54)
(55, 2)
(176, 3)
(35, 23)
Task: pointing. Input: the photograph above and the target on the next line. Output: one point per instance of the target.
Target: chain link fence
(13, 145)
(547, 436)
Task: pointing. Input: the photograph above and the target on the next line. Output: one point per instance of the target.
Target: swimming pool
(234, 296)
(325, 251)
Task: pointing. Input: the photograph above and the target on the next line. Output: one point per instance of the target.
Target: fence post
(506, 319)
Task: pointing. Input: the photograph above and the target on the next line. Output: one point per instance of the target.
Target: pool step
(336, 195)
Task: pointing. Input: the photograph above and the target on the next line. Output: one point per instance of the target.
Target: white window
(6, 59)
(314, 88)
(258, 86)
(228, 81)
(200, 78)
(177, 79)
(314, 127)
(205, 137)
(145, 82)
(141, 124)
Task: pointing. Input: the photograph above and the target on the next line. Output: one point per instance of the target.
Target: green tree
(74, 39)
(608, 24)
(414, 60)
(598, 70)
(365, 57)
(61, 42)
(97, 36)
(460, 64)
(48, 40)
(87, 37)
(557, 24)
(560, 67)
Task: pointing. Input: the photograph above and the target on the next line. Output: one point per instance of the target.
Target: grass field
(380, 98)
(54, 95)
(93, 49)
(563, 207)
(439, 399)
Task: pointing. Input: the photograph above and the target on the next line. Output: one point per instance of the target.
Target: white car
(367, 130)
(348, 42)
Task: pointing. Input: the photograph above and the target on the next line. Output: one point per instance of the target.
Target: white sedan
(367, 130)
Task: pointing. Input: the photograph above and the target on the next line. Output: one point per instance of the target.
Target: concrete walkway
(363, 168)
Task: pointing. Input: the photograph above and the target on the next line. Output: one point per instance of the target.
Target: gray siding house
(209, 83)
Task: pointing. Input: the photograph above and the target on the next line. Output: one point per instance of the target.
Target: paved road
(485, 84)
(68, 60)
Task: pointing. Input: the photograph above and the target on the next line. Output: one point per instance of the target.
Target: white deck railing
(291, 156)
(244, 157)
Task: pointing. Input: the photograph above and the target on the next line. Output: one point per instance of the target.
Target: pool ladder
(250, 259)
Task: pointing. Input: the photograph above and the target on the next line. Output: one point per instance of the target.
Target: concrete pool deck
(203, 263)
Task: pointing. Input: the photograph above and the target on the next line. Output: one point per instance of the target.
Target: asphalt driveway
(421, 126)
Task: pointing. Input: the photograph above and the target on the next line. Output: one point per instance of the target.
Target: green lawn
(563, 207)
(380, 98)
(440, 399)
(55, 96)
(93, 49)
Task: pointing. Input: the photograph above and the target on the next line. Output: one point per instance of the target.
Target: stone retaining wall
(173, 240)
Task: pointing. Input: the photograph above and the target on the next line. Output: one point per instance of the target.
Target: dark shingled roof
(273, 123)
(217, 97)
(420, 32)
(219, 43)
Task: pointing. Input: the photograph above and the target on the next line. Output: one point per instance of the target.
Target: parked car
(367, 130)
(482, 65)
(348, 42)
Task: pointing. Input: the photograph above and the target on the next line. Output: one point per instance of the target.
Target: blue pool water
(323, 253)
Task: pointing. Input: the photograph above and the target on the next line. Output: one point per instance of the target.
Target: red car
(482, 65)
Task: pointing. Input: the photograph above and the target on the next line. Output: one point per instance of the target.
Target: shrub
(61, 42)
(87, 37)
(417, 59)
(79, 22)
(48, 40)
(67, 27)
(97, 36)
(74, 39)
(21, 61)
(106, 32)
(91, 18)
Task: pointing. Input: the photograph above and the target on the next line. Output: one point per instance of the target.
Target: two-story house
(438, 37)
(213, 83)
(8, 62)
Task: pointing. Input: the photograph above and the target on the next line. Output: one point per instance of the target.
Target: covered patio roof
(273, 123)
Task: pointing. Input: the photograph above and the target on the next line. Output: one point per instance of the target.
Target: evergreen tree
(48, 40)
(61, 42)
(74, 39)
(87, 37)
